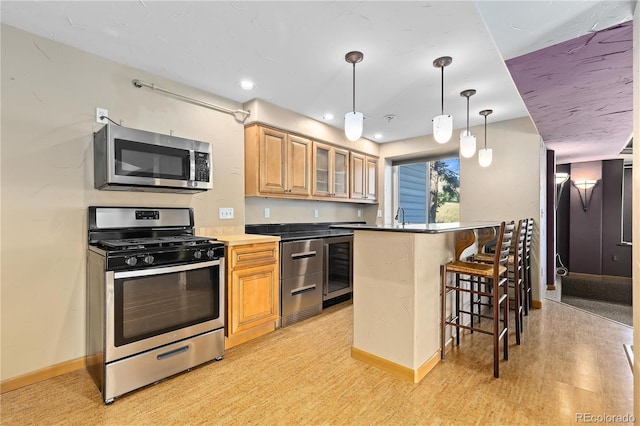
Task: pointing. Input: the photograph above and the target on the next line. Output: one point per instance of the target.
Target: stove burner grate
(142, 243)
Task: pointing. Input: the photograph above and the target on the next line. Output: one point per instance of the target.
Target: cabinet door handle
(303, 254)
(303, 289)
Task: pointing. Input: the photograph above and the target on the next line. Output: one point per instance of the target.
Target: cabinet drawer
(250, 255)
(301, 258)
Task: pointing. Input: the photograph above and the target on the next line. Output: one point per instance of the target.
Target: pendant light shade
(467, 140)
(467, 144)
(353, 121)
(353, 125)
(442, 128)
(485, 155)
(442, 124)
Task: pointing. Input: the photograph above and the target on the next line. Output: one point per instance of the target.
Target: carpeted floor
(613, 311)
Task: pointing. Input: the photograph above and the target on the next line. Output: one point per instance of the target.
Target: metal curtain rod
(234, 112)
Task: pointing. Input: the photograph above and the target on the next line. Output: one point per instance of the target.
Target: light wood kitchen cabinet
(330, 171)
(364, 174)
(253, 294)
(276, 162)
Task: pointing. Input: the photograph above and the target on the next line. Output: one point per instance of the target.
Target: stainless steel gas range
(155, 297)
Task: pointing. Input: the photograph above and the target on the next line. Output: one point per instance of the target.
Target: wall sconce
(585, 191)
(561, 179)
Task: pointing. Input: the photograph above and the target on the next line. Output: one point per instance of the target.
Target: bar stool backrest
(529, 235)
(504, 243)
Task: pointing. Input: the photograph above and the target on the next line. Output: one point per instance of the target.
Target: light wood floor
(569, 362)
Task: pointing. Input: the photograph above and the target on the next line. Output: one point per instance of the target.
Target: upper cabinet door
(371, 179)
(340, 187)
(276, 163)
(273, 152)
(298, 165)
(364, 177)
(357, 175)
(321, 170)
(330, 171)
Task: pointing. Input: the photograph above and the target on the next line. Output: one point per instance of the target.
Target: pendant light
(442, 124)
(353, 121)
(485, 155)
(467, 140)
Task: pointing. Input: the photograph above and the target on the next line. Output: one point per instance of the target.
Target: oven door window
(153, 161)
(152, 305)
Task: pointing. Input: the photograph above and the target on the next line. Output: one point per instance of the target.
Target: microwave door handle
(192, 165)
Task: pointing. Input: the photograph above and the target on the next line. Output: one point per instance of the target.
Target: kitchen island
(396, 292)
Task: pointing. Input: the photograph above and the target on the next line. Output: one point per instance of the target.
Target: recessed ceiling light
(327, 116)
(378, 136)
(247, 85)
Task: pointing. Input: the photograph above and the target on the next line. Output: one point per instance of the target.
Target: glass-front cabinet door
(340, 173)
(321, 172)
(330, 171)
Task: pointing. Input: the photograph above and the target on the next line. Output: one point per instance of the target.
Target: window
(428, 191)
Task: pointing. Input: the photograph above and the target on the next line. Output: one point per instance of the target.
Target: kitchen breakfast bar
(396, 292)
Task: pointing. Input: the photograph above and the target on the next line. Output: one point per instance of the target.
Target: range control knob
(148, 259)
(211, 253)
(131, 261)
(197, 254)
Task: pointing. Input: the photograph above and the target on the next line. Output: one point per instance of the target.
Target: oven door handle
(166, 269)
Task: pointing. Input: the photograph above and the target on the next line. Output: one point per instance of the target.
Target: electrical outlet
(101, 112)
(379, 213)
(225, 213)
(359, 212)
(267, 213)
(315, 212)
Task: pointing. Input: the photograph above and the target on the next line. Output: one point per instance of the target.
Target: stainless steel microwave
(135, 160)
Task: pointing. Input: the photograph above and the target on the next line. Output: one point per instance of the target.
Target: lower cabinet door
(254, 298)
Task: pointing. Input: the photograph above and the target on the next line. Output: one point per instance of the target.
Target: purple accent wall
(589, 242)
(579, 93)
(585, 238)
(551, 218)
(616, 259)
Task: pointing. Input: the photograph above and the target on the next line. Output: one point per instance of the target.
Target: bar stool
(515, 273)
(485, 236)
(494, 285)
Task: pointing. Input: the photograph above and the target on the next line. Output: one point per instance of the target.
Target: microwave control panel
(202, 167)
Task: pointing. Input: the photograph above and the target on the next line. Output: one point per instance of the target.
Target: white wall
(49, 96)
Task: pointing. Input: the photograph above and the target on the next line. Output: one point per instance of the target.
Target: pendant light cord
(442, 88)
(354, 87)
(485, 132)
(468, 132)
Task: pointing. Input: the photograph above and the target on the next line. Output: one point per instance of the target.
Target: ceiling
(294, 52)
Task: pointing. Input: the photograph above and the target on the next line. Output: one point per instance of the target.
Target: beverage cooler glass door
(338, 267)
(153, 307)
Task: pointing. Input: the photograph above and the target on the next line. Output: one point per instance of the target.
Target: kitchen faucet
(400, 209)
